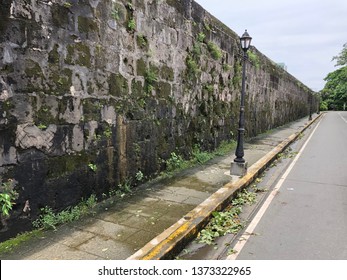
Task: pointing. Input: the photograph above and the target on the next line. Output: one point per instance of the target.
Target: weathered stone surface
(121, 87)
(30, 136)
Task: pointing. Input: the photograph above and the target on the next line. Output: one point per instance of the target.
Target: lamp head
(245, 41)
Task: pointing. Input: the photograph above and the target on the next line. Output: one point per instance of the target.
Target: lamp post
(239, 166)
(310, 97)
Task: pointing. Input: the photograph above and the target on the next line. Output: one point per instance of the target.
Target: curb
(170, 242)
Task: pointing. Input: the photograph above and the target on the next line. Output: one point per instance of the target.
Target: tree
(341, 59)
(334, 94)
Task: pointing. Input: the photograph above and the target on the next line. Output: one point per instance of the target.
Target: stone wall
(93, 92)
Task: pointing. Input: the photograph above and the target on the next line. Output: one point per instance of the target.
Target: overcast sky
(303, 34)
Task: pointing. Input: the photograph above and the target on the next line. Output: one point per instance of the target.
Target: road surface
(305, 217)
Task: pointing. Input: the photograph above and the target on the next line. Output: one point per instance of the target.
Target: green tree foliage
(341, 59)
(334, 94)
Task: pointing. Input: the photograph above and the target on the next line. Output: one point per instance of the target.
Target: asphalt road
(306, 214)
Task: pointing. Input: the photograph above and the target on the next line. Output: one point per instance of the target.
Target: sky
(303, 34)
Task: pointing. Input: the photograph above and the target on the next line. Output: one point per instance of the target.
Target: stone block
(238, 168)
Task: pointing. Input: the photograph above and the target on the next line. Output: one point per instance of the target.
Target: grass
(50, 220)
(176, 163)
(8, 245)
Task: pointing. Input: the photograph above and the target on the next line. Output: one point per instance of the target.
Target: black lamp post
(310, 97)
(245, 44)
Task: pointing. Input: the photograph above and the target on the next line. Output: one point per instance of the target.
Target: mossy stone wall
(119, 85)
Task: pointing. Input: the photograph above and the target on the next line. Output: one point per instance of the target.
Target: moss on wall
(79, 54)
(118, 85)
(124, 84)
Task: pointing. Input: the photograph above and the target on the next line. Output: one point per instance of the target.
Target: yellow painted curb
(171, 241)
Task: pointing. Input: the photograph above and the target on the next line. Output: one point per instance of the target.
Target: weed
(67, 5)
(192, 66)
(221, 224)
(286, 154)
(201, 37)
(48, 219)
(258, 180)
(226, 67)
(108, 133)
(129, 5)
(244, 197)
(174, 162)
(196, 50)
(92, 167)
(225, 147)
(227, 221)
(231, 252)
(142, 40)
(209, 88)
(97, 137)
(7, 197)
(125, 187)
(115, 13)
(236, 81)
(150, 78)
(254, 59)
(42, 126)
(256, 189)
(207, 26)
(200, 156)
(216, 53)
(139, 176)
(131, 25)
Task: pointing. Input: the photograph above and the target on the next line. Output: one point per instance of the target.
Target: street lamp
(239, 166)
(310, 106)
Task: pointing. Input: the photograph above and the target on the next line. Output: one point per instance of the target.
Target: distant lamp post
(310, 98)
(239, 166)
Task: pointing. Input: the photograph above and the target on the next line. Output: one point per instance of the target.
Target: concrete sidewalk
(157, 217)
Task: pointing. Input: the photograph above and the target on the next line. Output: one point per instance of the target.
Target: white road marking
(250, 229)
(342, 118)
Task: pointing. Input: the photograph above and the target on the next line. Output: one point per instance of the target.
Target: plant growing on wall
(115, 13)
(67, 5)
(215, 52)
(254, 59)
(201, 37)
(174, 162)
(150, 78)
(131, 25)
(92, 167)
(192, 66)
(7, 197)
(139, 176)
(236, 81)
(142, 40)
